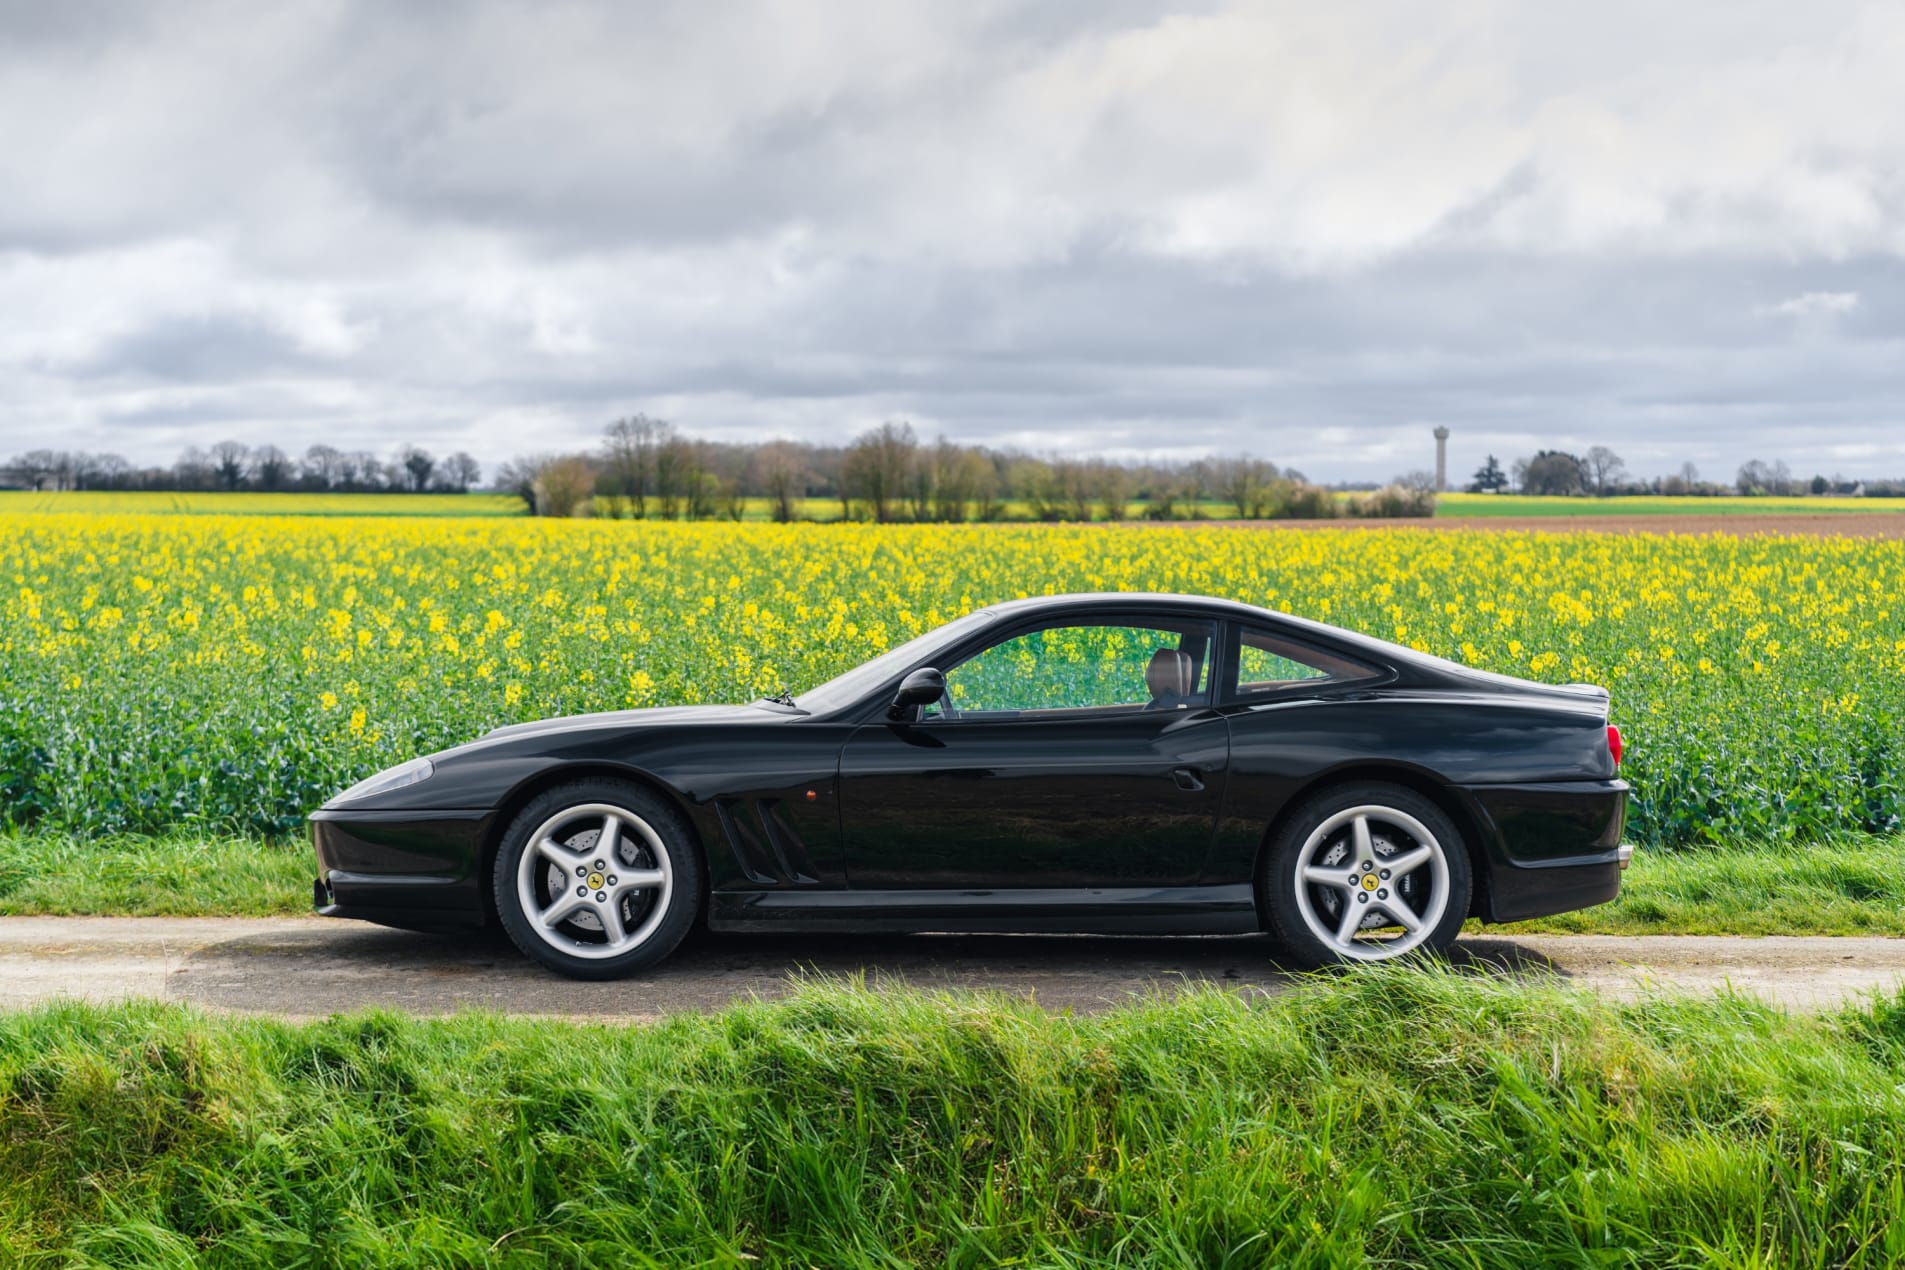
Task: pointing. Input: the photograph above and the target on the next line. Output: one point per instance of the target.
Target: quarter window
(1087, 667)
(1270, 663)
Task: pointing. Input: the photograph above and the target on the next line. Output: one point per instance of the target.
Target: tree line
(646, 468)
(1600, 473)
(230, 465)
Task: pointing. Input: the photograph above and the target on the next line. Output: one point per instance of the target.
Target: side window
(1268, 663)
(1086, 667)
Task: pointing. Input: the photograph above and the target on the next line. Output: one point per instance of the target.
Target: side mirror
(921, 688)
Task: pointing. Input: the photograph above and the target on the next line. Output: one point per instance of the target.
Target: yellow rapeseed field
(164, 670)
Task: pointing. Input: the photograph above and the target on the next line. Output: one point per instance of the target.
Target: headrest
(1168, 674)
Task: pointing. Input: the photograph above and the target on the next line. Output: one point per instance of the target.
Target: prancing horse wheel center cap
(595, 881)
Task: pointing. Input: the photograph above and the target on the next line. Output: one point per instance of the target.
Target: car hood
(657, 716)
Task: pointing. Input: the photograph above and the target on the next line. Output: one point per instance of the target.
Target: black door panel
(1097, 800)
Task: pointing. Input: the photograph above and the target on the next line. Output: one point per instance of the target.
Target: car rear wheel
(1366, 872)
(597, 879)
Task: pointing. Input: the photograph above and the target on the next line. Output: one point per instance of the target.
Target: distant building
(1441, 460)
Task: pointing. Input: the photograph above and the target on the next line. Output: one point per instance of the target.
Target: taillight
(1614, 743)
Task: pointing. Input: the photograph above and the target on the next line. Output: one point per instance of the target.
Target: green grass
(1855, 886)
(1391, 1118)
(168, 876)
(1481, 505)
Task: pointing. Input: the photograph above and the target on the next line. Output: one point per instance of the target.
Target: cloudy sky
(1309, 231)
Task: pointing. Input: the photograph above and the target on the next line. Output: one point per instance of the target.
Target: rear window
(1270, 663)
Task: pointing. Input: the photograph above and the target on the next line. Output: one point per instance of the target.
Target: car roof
(1153, 601)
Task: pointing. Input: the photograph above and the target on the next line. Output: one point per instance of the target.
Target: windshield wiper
(781, 698)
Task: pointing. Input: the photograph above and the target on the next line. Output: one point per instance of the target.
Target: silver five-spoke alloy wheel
(1372, 882)
(595, 881)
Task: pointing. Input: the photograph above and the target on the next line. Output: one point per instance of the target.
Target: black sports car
(1116, 763)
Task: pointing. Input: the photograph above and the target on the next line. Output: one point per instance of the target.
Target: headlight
(392, 778)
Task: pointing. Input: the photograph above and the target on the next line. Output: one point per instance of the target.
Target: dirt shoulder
(310, 967)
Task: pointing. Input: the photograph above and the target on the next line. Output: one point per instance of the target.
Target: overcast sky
(1311, 231)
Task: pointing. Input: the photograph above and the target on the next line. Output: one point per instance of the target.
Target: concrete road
(311, 967)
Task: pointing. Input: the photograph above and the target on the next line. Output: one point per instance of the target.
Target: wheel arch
(528, 790)
(1415, 779)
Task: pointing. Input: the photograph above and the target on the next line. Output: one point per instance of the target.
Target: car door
(1082, 753)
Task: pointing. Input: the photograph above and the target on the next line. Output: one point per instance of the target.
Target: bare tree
(518, 477)
(704, 488)
(194, 469)
(322, 466)
(371, 473)
(229, 461)
(460, 472)
(878, 465)
(269, 467)
(954, 481)
(919, 490)
(562, 485)
(36, 467)
(676, 475)
(780, 473)
(1249, 484)
(1113, 481)
(1757, 477)
(1034, 481)
(630, 447)
(111, 471)
(1604, 469)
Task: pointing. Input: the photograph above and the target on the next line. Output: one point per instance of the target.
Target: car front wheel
(597, 879)
(1366, 872)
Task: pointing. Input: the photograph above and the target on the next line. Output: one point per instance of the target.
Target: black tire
(1311, 937)
(653, 842)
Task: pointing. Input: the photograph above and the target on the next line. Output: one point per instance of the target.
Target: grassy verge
(153, 877)
(1852, 887)
(1855, 886)
(1395, 1118)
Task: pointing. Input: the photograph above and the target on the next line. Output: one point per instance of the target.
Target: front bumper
(418, 870)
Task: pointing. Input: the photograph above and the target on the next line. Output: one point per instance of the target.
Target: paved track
(302, 968)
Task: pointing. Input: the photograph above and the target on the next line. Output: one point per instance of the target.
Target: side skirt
(1146, 910)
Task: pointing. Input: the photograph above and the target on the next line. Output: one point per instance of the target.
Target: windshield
(864, 678)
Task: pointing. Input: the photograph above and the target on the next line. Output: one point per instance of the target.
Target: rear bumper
(416, 870)
(1552, 847)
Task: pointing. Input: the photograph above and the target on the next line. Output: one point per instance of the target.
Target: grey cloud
(1314, 232)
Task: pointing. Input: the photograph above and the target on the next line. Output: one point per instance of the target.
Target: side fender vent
(789, 852)
(765, 845)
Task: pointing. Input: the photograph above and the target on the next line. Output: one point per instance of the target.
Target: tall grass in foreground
(1399, 1117)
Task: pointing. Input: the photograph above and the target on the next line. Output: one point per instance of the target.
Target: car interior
(1146, 669)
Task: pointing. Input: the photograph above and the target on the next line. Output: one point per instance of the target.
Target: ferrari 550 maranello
(1118, 763)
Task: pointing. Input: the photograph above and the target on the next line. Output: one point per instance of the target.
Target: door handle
(1187, 779)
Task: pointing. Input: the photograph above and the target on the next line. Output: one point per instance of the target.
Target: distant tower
(1441, 460)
